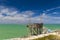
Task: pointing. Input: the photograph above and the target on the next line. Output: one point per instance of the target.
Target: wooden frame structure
(36, 28)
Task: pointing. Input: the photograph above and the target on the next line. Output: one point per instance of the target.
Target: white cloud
(14, 16)
(53, 8)
(55, 12)
(51, 19)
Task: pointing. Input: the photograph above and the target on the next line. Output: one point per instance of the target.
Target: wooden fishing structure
(35, 28)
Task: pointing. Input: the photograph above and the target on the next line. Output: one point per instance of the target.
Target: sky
(30, 11)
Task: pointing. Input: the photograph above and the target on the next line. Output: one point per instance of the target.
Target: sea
(8, 31)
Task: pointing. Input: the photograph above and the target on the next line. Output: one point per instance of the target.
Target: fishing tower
(35, 28)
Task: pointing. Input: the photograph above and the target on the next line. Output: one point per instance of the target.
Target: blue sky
(20, 11)
(23, 5)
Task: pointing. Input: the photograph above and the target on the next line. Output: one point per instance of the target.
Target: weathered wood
(35, 28)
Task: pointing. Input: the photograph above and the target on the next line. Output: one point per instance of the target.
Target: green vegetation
(50, 37)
